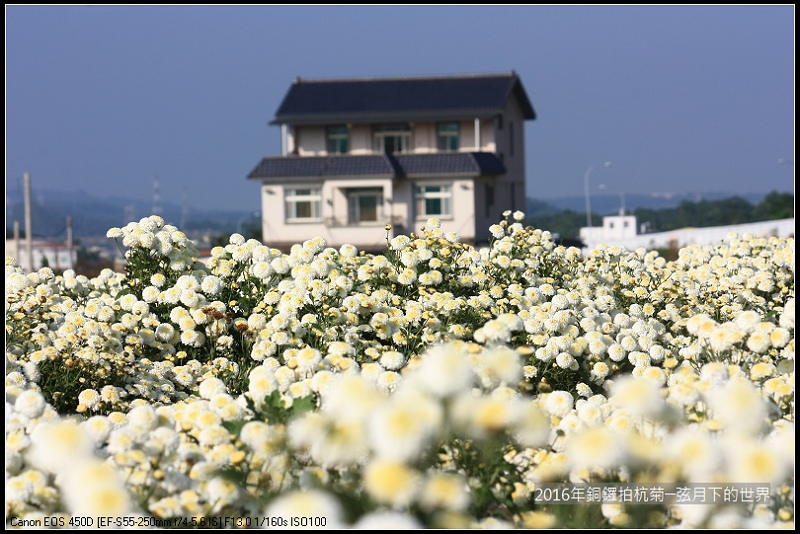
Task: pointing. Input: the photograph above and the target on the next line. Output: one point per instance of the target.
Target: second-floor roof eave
(275, 168)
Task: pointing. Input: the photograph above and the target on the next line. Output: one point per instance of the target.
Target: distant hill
(606, 204)
(92, 216)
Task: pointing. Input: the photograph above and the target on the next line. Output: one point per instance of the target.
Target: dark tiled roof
(472, 163)
(401, 99)
(298, 166)
(464, 163)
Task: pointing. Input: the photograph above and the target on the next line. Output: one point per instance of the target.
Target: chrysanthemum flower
(89, 398)
(559, 403)
(401, 427)
(210, 386)
(596, 447)
(30, 403)
(387, 519)
(639, 396)
(739, 405)
(444, 370)
(444, 491)
(58, 445)
(751, 461)
(391, 482)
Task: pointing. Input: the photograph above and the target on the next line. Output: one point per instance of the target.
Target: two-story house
(357, 154)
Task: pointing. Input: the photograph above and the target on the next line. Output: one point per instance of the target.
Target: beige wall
(311, 141)
(398, 210)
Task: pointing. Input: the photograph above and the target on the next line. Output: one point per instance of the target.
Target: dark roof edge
(522, 97)
(365, 118)
(409, 77)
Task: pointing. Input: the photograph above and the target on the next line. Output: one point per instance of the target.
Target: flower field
(435, 385)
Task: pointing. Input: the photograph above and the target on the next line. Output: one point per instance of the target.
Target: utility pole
(69, 242)
(26, 180)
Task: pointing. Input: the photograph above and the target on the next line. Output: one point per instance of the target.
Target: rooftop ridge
(405, 77)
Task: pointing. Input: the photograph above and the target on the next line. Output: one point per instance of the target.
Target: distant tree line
(704, 213)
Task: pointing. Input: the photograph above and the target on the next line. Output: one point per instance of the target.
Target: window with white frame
(365, 205)
(447, 136)
(338, 139)
(303, 204)
(433, 200)
(391, 138)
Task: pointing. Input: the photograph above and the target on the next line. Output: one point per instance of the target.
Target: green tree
(775, 206)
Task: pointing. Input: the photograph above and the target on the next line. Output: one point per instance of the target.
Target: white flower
(639, 396)
(30, 403)
(94, 488)
(444, 370)
(391, 482)
(211, 285)
(386, 520)
(89, 398)
(348, 251)
(401, 427)
(392, 360)
(786, 319)
(559, 403)
(211, 386)
(739, 405)
(261, 384)
(595, 447)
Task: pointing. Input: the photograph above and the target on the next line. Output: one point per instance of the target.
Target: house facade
(358, 154)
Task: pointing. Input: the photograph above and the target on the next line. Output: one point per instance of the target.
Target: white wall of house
(398, 209)
(360, 139)
(312, 140)
(333, 222)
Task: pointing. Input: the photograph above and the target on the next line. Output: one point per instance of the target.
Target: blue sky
(682, 99)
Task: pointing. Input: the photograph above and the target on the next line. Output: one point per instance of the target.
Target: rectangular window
(433, 201)
(338, 139)
(365, 206)
(510, 138)
(391, 138)
(303, 205)
(447, 137)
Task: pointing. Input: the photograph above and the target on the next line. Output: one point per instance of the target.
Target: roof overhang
(273, 168)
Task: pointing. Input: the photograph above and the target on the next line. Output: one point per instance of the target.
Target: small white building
(57, 256)
(621, 230)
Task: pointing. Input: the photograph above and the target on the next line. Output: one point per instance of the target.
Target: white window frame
(334, 135)
(354, 215)
(445, 195)
(445, 133)
(296, 195)
(401, 133)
